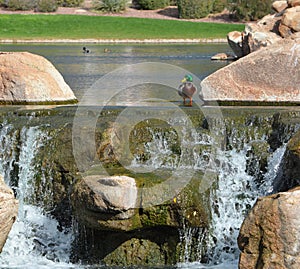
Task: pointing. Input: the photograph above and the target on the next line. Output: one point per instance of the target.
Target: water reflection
(82, 70)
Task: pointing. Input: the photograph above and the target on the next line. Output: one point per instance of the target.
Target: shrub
(69, 3)
(46, 6)
(153, 4)
(218, 6)
(194, 9)
(110, 5)
(20, 4)
(250, 10)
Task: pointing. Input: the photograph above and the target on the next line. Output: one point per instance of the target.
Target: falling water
(34, 240)
(235, 193)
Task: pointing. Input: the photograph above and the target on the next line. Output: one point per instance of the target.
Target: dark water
(81, 70)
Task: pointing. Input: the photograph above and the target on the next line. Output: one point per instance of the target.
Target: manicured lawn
(101, 27)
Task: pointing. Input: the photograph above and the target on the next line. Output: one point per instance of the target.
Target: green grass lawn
(101, 27)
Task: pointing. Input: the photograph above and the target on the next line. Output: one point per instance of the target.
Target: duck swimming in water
(187, 89)
(85, 50)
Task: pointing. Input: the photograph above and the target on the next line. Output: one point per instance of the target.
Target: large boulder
(8, 211)
(105, 202)
(269, 235)
(291, 18)
(293, 3)
(279, 6)
(31, 79)
(268, 75)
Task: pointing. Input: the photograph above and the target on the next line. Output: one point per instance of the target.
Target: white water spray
(34, 241)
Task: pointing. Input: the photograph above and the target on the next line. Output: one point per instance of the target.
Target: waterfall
(38, 240)
(34, 240)
(233, 196)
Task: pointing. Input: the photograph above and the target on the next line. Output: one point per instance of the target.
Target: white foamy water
(34, 241)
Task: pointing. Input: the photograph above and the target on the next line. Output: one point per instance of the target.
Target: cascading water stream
(34, 240)
(234, 195)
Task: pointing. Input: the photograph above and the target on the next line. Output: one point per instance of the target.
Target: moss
(294, 144)
(136, 252)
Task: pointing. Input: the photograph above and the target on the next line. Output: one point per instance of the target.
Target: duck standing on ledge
(187, 89)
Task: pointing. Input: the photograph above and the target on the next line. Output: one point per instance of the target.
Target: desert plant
(69, 3)
(20, 4)
(218, 6)
(46, 6)
(113, 6)
(194, 9)
(250, 10)
(152, 4)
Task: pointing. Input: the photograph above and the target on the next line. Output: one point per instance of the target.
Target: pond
(82, 70)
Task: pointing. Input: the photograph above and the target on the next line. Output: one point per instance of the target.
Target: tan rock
(105, 201)
(8, 211)
(270, 74)
(279, 6)
(263, 33)
(291, 18)
(284, 30)
(30, 78)
(269, 235)
(222, 57)
(255, 36)
(237, 42)
(266, 24)
(293, 3)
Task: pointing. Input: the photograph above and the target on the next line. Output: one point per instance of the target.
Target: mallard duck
(187, 89)
(85, 50)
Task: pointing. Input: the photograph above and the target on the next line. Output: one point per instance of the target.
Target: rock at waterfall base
(8, 211)
(269, 236)
(26, 78)
(106, 201)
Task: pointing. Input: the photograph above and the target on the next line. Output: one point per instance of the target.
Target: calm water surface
(81, 70)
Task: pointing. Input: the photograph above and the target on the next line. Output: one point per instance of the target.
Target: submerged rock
(269, 235)
(223, 57)
(267, 75)
(8, 211)
(27, 78)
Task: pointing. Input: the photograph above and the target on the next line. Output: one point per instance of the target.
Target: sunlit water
(81, 70)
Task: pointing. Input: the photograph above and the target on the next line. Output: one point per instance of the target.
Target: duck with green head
(187, 89)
